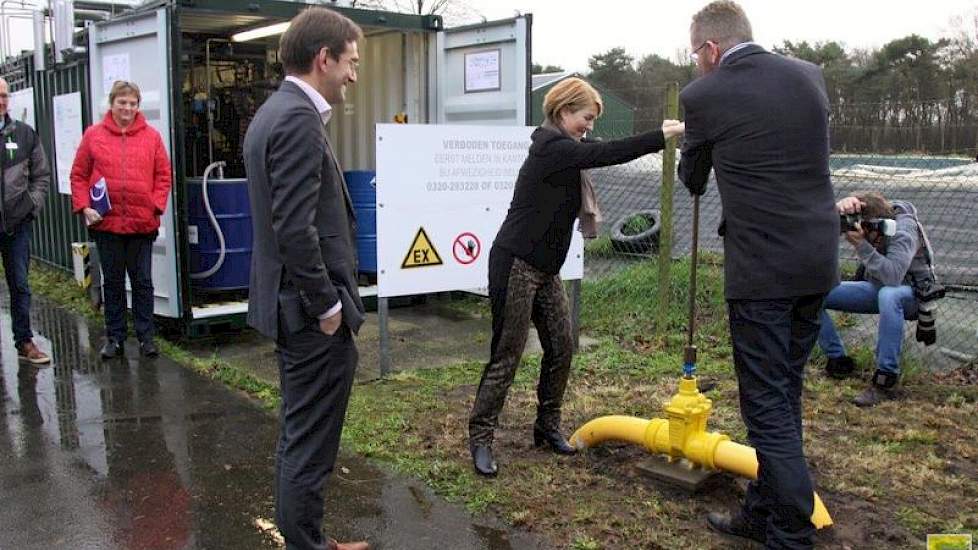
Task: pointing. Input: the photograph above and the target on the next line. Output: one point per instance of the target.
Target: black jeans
(119, 255)
(316, 373)
(15, 247)
(772, 340)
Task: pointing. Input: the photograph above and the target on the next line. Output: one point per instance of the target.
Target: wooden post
(665, 213)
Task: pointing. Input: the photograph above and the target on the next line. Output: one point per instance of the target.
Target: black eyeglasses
(695, 55)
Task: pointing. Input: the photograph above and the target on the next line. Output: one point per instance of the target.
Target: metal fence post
(665, 207)
(575, 303)
(383, 315)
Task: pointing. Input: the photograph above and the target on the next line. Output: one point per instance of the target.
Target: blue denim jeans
(894, 304)
(16, 250)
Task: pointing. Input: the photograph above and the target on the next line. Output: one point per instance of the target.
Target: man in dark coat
(303, 268)
(24, 181)
(760, 121)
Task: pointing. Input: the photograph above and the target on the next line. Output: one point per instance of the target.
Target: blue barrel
(363, 192)
(230, 204)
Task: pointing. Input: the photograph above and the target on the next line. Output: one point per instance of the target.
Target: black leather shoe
(112, 349)
(482, 460)
(553, 439)
(840, 367)
(148, 349)
(735, 526)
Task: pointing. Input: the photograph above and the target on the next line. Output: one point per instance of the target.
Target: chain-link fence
(943, 188)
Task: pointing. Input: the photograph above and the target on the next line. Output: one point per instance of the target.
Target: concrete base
(429, 335)
(680, 473)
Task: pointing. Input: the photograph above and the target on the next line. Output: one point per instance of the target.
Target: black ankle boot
(553, 439)
(483, 461)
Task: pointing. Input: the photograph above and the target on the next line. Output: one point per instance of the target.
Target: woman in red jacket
(126, 156)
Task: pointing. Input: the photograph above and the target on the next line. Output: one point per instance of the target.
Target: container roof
(543, 79)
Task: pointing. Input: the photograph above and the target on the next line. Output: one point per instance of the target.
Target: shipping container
(202, 81)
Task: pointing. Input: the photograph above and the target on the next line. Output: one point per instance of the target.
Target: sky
(569, 36)
(568, 32)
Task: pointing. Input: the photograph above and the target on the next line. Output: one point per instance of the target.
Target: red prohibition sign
(466, 248)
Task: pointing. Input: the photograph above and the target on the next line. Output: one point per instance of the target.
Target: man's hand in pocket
(331, 324)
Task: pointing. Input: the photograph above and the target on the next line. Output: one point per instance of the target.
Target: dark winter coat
(24, 174)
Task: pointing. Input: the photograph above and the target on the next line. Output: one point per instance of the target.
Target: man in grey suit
(303, 270)
(761, 122)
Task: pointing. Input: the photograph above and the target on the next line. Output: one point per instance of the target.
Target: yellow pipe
(737, 459)
(707, 449)
(617, 428)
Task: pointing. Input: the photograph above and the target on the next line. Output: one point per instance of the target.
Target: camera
(851, 222)
(927, 293)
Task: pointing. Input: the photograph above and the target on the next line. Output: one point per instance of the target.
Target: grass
(898, 471)
(59, 287)
(636, 224)
(599, 247)
(902, 467)
(621, 306)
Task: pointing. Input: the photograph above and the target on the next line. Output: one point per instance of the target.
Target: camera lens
(926, 332)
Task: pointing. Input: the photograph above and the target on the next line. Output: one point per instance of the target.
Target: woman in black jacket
(529, 250)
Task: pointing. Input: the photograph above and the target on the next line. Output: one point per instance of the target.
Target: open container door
(481, 74)
(137, 48)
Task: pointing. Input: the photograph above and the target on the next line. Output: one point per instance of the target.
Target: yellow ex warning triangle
(422, 253)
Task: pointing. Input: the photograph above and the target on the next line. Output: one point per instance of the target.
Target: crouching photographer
(895, 279)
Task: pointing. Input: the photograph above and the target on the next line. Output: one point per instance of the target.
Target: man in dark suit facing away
(760, 121)
(303, 268)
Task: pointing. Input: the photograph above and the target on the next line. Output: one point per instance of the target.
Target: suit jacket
(761, 121)
(304, 255)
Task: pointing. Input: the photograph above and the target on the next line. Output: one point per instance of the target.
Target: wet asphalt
(146, 454)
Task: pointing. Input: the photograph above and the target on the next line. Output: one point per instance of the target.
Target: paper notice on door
(114, 67)
(67, 136)
(482, 71)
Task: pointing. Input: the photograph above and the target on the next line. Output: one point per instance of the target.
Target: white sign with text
(67, 136)
(442, 194)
